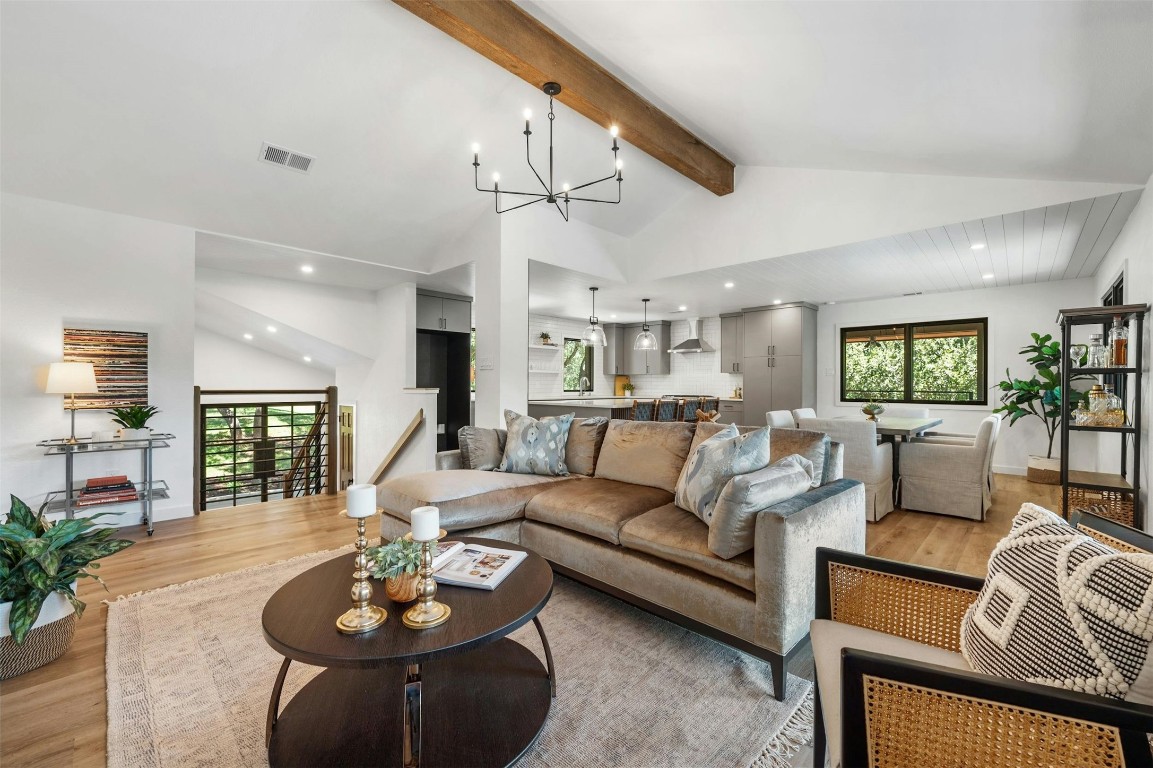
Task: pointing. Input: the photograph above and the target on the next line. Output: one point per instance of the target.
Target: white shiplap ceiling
(1059, 242)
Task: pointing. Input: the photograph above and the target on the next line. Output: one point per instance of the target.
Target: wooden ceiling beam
(503, 33)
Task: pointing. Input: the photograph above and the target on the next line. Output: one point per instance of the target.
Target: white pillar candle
(425, 523)
(361, 500)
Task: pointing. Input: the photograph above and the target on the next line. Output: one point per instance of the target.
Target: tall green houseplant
(1040, 394)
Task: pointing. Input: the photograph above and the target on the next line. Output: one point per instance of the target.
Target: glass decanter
(1097, 352)
(1119, 342)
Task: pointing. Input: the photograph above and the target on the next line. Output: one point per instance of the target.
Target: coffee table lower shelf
(482, 708)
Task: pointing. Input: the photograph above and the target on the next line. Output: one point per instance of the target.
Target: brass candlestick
(363, 615)
(427, 612)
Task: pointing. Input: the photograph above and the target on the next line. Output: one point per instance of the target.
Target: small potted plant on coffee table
(397, 562)
(40, 563)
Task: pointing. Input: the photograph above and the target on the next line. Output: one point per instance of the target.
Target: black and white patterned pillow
(1060, 608)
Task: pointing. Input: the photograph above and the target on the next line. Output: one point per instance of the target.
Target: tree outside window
(938, 362)
(578, 362)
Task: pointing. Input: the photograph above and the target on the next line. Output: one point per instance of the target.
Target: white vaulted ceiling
(1059, 242)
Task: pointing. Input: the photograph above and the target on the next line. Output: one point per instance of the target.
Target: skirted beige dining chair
(865, 459)
(780, 419)
(950, 479)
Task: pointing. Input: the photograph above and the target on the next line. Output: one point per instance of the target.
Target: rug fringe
(215, 576)
(796, 733)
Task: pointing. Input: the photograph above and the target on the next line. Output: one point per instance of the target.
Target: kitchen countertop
(588, 402)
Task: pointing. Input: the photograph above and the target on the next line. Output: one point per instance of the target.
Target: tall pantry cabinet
(780, 359)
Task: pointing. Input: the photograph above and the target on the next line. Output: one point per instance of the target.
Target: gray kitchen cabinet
(443, 313)
(639, 362)
(732, 343)
(612, 355)
(731, 412)
(780, 360)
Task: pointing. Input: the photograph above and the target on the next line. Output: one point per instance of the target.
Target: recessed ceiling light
(612, 317)
(682, 308)
(729, 285)
(776, 301)
(306, 269)
(272, 329)
(306, 359)
(248, 336)
(977, 246)
(830, 302)
(988, 276)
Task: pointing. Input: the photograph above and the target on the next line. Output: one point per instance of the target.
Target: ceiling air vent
(285, 157)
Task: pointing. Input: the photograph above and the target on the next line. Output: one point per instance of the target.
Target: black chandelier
(549, 193)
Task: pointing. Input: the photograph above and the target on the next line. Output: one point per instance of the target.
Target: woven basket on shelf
(1114, 505)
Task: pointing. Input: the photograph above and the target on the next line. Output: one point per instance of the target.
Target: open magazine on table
(475, 565)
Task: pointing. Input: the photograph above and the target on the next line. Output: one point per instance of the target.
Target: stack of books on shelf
(106, 490)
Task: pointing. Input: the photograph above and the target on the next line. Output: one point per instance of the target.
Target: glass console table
(147, 490)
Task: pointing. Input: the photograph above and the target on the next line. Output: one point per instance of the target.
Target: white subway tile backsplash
(691, 374)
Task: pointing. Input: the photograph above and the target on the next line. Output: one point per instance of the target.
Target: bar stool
(643, 410)
(669, 410)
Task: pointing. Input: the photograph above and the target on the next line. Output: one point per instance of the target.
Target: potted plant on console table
(133, 420)
(40, 563)
(1040, 396)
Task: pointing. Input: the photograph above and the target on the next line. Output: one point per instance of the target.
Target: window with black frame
(578, 363)
(936, 362)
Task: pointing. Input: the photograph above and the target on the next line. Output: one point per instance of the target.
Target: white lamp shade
(646, 340)
(71, 378)
(594, 336)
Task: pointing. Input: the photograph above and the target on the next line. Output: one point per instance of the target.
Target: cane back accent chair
(897, 709)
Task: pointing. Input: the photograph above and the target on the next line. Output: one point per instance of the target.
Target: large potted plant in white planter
(40, 563)
(1040, 396)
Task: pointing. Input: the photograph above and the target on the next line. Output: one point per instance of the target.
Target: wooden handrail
(313, 434)
(409, 431)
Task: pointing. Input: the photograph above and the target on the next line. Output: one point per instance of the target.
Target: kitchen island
(584, 407)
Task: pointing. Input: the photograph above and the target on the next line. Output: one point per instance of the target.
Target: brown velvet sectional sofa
(618, 530)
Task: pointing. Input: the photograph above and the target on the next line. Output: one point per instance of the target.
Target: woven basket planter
(48, 639)
(1043, 470)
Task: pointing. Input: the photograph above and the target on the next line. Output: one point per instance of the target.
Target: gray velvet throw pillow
(734, 525)
(535, 447)
(481, 448)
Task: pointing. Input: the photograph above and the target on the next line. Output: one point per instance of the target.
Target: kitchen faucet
(584, 384)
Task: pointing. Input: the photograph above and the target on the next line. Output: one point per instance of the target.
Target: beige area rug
(189, 675)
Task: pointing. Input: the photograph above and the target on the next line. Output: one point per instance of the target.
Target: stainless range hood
(693, 343)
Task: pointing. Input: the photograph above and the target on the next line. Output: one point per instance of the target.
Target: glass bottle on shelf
(1119, 342)
(1098, 406)
(1097, 352)
(1114, 410)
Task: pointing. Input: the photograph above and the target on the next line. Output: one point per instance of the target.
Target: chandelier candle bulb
(425, 523)
(361, 500)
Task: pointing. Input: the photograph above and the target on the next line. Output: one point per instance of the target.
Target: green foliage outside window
(578, 361)
(947, 363)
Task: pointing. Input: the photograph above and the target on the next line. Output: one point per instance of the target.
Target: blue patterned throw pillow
(715, 462)
(535, 446)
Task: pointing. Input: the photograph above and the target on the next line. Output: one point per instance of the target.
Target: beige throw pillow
(734, 526)
(585, 437)
(645, 452)
(481, 448)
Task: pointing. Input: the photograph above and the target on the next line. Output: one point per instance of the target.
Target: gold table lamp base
(427, 612)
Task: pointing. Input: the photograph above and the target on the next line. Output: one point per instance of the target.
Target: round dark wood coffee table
(482, 703)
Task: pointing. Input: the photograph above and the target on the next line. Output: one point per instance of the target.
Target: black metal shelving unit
(1127, 481)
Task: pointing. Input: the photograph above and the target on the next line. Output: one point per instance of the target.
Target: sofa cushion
(585, 437)
(830, 637)
(1060, 608)
(677, 536)
(595, 506)
(466, 497)
(648, 453)
(814, 446)
(481, 448)
(734, 521)
(535, 446)
(714, 463)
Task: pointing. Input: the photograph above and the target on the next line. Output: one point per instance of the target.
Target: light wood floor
(55, 716)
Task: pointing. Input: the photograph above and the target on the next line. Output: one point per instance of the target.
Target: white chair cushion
(829, 637)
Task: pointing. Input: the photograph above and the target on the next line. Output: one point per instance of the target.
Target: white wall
(1013, 311)
(60, 264)
(551, 385)
(223, 363)
(1132, 255)
(781, 211)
